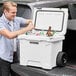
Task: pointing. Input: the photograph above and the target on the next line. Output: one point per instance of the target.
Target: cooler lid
(54, 17)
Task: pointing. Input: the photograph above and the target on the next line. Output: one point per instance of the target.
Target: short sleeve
(2, 26)
(21, 20)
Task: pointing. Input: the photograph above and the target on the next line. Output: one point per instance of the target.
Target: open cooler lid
(54, 17)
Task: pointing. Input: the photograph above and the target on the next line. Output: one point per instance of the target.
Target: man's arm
(14, 34)
(28, 21)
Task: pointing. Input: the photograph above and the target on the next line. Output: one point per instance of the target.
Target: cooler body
(40, 53)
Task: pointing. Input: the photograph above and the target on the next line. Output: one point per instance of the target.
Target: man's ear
(6, 11)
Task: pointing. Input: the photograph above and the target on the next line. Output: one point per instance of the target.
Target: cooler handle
(31, 42)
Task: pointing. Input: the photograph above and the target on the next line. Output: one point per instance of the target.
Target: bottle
(49, 32)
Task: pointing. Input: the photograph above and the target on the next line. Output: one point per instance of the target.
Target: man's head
(10, 9)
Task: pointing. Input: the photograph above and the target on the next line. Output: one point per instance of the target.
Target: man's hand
(30, 26)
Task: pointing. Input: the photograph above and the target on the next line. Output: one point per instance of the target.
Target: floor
(68, 70)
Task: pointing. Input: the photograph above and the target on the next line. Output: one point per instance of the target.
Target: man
(10, 29)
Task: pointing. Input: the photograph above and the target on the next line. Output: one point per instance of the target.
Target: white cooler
(39, 50)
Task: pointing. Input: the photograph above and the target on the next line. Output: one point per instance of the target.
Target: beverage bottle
(49, 32)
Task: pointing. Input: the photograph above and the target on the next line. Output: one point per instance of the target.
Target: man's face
(11, 13)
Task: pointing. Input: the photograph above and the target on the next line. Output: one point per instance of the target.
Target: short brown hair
(7, 4)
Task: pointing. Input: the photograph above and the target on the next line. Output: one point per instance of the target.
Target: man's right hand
(30, 26)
